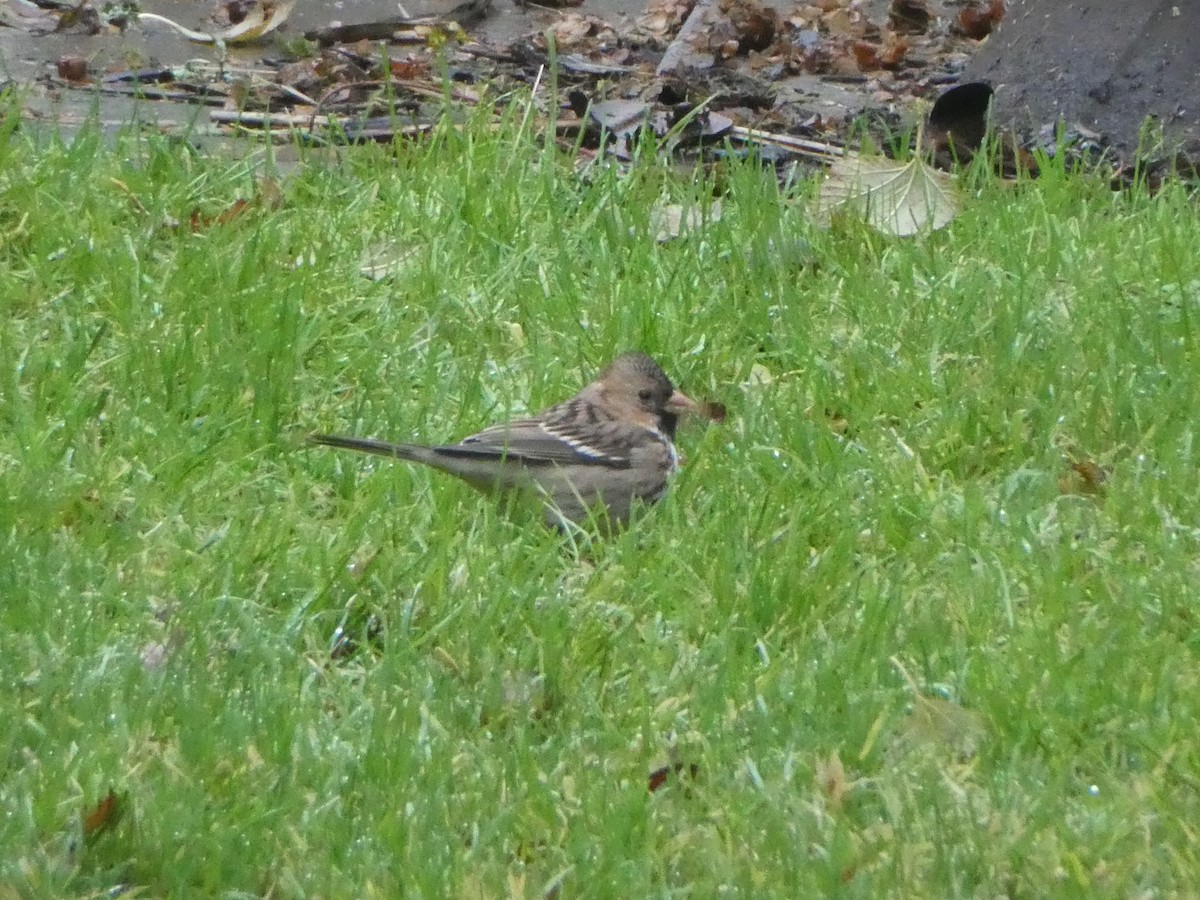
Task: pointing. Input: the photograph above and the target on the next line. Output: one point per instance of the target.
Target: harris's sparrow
(609, 445)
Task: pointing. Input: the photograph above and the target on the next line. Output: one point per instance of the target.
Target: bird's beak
(679, 402)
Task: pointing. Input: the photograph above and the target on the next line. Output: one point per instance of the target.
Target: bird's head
(635, 388)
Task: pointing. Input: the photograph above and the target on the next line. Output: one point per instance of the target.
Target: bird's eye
(645, 395)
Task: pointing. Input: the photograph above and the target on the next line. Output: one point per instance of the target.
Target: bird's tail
(485, 470)
(365, 445)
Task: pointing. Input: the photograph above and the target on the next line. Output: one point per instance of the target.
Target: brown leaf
(72, 68)
(888, 55)
(200, 221)
(866, 55)
(713, 410)
(1085, 477)
(133, 198)
(659, 776)
(977, 20)
(410, 69)
(838, 423)
(267, 196)
(233, 211)
(844, 23)
(830, 776)
(268, 193)
(894, 50)
(103, 817)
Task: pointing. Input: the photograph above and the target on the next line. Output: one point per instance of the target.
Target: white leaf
(265, 17)
(896, 198)
(386, 260)
(670, 220)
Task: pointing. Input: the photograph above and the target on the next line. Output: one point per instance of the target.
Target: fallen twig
(811, 149)
(276, 120)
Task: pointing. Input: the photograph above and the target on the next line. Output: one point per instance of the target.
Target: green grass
(175, 566)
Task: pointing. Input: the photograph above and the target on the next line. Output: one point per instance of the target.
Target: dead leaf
(133, 198)
(844, 22)
(1084, 477)
(865, 54)
(72, 68)
(713, 410)
(526, 692)
(837, 422)
(623, 119)
(888, 54)
(935, 724)
(267, 196)
(895, 48)
(386, 259)
(830, 777)
(669, 221)
(261, 20)
(660, 775)
(978, 20)
(442, 655)
(156, 654)
(574, 31)
(663, 18)
(103, 817)
(199, 221)
(900, 199)
(760, 377)
(82, 17)
(410, 69)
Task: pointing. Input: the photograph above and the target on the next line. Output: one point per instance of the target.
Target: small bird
(609, 445)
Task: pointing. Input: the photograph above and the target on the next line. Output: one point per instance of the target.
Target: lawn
(919, 619)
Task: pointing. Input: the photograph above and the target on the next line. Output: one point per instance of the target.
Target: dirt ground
(1105, 64)
(806, 69)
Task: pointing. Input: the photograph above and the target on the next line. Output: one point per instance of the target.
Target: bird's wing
(569, 434)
